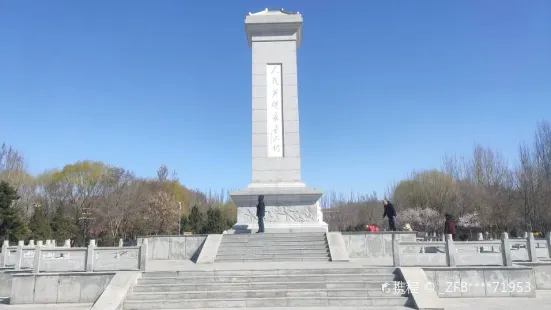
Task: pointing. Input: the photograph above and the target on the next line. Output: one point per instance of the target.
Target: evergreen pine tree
(63, 228)
(215, 222)
(195, 220)
(184, 224)
(39, 225)
(12, 222)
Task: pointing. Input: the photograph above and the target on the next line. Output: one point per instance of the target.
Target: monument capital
(273, 25)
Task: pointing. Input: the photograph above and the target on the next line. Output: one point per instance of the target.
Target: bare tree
(114, 205)
(542, 187)
(162, 173)
(352, 213)
(13, 171)
(526, 183)
(427, 189)
(162, 214)
(11, 160)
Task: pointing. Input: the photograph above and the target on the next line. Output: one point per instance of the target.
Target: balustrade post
(506, 250)
(396, 250)
(19, 260)
(5, 246)
(90, 255)
(143, 255)
(37, 258)
(531, 248)
(450, 251)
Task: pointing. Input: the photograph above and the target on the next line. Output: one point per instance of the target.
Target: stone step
(315, 241)
(269, 272)
(274, 243)
(270, 252)
(277, 253)
(265, 302)
(265, 293)
(283, 258)
(274, 251)
(268, 235)
(245, 241)
(274, 247)
(327, 308)
(275, 259)
(180, 287)
(275, 235)
(272, 240)
(241, 255)
(268, 278)
(283, 244)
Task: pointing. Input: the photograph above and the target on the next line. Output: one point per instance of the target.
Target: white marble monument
(291, 206)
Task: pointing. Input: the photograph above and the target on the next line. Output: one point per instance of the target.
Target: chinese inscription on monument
(274, 110)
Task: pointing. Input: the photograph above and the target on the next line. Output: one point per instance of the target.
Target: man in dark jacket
(260, 212)
(449, 226)
(390, 212)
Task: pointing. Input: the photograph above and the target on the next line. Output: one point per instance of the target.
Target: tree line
(91, 199)
(484, 192)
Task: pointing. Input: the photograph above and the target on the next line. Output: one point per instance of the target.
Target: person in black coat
(390, 212)
(260, 212)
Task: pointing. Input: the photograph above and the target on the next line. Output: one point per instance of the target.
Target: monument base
(288, 209)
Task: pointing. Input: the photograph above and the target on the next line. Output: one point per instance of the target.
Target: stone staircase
(273, 247)
(327, 287)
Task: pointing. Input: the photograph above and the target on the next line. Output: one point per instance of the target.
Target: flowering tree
(425, 220)
(469, 221)
(94, 232)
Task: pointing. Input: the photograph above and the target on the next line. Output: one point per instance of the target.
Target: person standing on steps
(260, 212)
(390, 212)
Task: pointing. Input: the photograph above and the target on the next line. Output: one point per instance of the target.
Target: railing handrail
(57, 249)
(479, 242)
(428, 243)
(117, 248)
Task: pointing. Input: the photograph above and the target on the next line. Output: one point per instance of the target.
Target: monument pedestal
(289, 208)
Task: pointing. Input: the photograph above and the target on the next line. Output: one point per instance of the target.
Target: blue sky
(385, 87)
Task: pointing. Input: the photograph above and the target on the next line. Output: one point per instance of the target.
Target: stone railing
(47, 258)
(470, 253)
(9, 253)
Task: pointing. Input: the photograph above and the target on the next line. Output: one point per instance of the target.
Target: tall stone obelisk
(291, 206)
